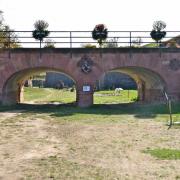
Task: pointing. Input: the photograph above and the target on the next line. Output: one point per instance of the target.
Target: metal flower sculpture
(40, 31)
(100, 33)
(157, 34)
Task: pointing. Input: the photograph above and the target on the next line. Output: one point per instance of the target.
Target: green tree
(40, 31)
(100, 33)
(157, 34)
(8, 38)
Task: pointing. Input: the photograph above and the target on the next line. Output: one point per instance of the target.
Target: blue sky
(85, 14)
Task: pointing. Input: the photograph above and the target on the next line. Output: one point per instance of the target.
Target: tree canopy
(8, 38)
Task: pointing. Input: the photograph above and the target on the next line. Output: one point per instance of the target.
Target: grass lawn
(102, 142)
(109, 97)
(164, 153)
(39, 95)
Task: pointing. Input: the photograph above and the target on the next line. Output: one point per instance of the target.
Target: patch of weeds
(55, 167)
(169, 154)
(9, 121)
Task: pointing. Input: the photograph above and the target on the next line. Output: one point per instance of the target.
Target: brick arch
(24, 63)
(164, 65)
(150, 84)
(11, 91)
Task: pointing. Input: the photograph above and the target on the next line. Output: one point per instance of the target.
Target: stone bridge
(154, 70)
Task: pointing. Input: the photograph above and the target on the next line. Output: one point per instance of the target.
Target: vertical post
(40, 49)
(170, 110)
(70, 36)
(9, 43)
(130, 36)
(70, 33)
(159, 46)
(170, 113)
(130, 33)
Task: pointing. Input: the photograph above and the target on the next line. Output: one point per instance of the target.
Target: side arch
(150, 84)
(11, 91)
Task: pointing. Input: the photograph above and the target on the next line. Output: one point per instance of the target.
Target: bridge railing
(76, 39)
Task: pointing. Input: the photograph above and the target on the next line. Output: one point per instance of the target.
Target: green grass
(169, 154)
(64, 96)
(34, 93)
(97, 113)
(107, 107)
(48, 95)
(109, 97)
(105, 103)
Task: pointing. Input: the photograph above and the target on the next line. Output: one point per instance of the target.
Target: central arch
(12, 92)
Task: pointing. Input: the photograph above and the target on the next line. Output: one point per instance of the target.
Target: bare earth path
(33, 147)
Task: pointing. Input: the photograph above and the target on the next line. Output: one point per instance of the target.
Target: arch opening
(39, 86)
(148, 86)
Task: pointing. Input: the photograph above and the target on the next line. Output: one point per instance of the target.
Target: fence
(77, 39)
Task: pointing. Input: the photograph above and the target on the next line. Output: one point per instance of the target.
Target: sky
(85, 14)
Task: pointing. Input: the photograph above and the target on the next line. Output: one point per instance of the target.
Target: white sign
(86, 88)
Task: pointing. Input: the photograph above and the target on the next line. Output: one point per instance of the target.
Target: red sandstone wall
(147, 65)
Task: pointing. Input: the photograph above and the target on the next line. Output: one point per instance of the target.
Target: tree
(40, 31)
(157, 34)
(8, 38)
(100, 33)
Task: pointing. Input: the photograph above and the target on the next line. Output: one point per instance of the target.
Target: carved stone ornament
(174, 64)
(85, 64)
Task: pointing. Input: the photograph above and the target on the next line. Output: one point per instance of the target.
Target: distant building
(55, 79)
(110, 81)
(113, 80)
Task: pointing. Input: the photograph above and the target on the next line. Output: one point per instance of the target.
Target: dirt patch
(34, 148)
(10, 114)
